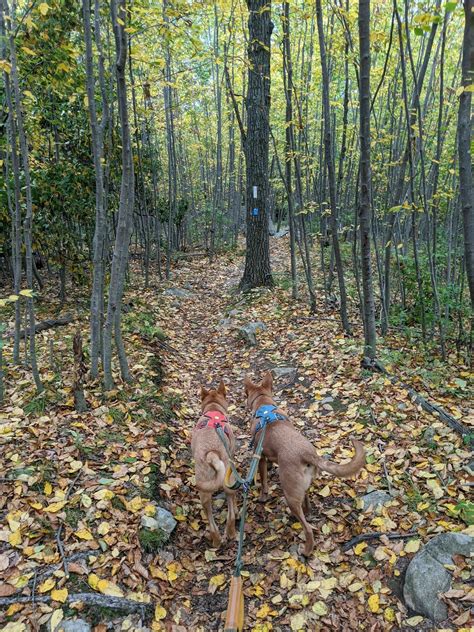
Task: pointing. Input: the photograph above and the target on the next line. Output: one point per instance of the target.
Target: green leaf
(450, 6)
(418, 30)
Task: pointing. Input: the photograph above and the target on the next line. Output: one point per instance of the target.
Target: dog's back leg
(231, 507)
(206, 500)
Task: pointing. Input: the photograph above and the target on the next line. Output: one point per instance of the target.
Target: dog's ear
(267, 381)
(248, 384)
(204, 392)
(221, 388)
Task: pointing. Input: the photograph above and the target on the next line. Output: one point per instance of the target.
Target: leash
(234, 621)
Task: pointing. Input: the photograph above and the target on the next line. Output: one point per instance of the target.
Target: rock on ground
(288, 372)
(178, 292)
(426, 575)
(248, 332)
(163, 519)
(73, 625)
(375, 499)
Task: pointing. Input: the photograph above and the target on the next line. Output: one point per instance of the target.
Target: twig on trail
(375, 535)
(51, 569)
(434, 409)
(387, 477)
(33, 590)
(59, 541)
(91, 599)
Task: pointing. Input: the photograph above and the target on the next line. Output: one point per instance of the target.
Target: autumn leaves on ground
(76, 487)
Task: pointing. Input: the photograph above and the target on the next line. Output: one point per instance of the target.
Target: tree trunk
(257, 270)
(365, 207)
(125, 213)
(16, 109)
(97, 135)
(331, 171)
(288, 82)
(466, 184)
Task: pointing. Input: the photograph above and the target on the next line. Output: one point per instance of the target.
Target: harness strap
(266, 415)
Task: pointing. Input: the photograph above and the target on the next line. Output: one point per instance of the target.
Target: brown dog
(296, 457)
(211, 457)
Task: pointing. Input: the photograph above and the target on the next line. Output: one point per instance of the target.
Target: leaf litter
(91, 477)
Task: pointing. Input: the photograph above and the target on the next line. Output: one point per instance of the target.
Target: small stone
(165, 520)
(248, 332)
(288, 372)
(73, 625)
(428, 435)
(234, 312)
(327, 400)
(178, 292)
(375, 499)
(427, 577)
(225, 322)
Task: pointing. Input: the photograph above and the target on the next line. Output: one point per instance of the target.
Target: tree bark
(331, 170)
(466, 182)
(257, 270)
(365, 206)
(97, 137)
(124, 221)
(16, 109)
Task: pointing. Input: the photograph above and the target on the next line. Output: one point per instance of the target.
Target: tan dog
(211, 457)
(296, 456)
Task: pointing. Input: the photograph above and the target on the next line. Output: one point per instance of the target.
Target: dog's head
(214, 396)
(253, 390)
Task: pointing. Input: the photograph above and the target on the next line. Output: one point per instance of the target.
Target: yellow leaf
(48, 488)
(55, 507)
(160, 613)
(103, 528)
(325, 491)
(360, 547)
(320, 608)
(15, 538)
(109, 588)
(59, 595)
(329, 584)
(412, 546)
(28, 51)
(14, 626)
(373, 603)
(413, 621)
(135, 504)
(74, 466)
(47, 585)
(28, 293)
(13, 609)
(84, 534)
(104, 494)
(263, 612)
(56, 619)
(355, 586)
(43, 9)
(121, 22)
(217, 580)
(389, 614)
(93, 581)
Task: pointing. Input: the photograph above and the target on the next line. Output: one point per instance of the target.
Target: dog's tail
(345, 469)
(213, 459)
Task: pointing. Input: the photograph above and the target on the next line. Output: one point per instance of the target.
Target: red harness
(215, 419)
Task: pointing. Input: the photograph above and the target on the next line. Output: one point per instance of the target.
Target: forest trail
(97, 473)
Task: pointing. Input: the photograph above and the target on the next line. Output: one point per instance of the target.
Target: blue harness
(266, 415)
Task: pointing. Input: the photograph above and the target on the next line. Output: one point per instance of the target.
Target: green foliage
(152, 541)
